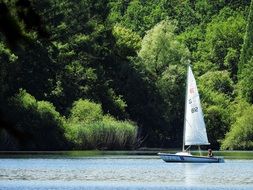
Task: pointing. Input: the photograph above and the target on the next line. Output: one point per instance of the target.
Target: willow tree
(163, 57)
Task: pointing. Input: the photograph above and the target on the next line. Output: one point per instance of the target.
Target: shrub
(85, 111)
(240, 135)
(89, 129)
(37, 125)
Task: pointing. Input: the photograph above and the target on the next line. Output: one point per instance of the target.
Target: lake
(137, 170)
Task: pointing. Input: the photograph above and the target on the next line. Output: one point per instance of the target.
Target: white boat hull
(167, 157)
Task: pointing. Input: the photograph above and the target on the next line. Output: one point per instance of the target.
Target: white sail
(194, 129)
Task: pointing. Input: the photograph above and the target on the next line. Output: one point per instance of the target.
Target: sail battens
(194, 129)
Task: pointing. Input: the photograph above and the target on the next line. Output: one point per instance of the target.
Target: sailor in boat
(210, 153)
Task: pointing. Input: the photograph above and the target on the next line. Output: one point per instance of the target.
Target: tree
(162, 57)
(141, 16)
(160, 49)
(36, 125)
(246, 65)
(241, 133)
(127, 41)
(247, 47)
(216, 91)
(127, 57)
(223, 40)
(245, 84)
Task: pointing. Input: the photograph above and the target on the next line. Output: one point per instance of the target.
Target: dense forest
(111, 74)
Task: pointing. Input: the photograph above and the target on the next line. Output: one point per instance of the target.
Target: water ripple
(133, 173)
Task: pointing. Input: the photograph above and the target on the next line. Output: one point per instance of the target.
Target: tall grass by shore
(103, 132)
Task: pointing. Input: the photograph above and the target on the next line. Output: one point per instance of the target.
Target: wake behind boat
(194, 127)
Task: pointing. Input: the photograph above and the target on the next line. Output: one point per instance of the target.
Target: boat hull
(167, 157)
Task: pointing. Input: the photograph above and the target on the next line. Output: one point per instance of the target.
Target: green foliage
(6, 54)
(246, 51)
(129, 57)
(161, 49)
(10, 25)
(245, 84)
(217, 122)
(224, 35)
(139, 16)
(191, 38)
(7, 60)
(246, 64)
(127, 41)
(39, 125)
(84, 111)
(170, 87)
(118, 104)
(217, 81)
(241, 134)
(216, 89)
(163, 58)
(231, 62)
(88, 128)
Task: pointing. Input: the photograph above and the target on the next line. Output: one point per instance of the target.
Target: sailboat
(194, 127)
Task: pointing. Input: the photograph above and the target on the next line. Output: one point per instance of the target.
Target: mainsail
(194, 127)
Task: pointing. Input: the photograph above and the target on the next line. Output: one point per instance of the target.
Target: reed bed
(105, 134)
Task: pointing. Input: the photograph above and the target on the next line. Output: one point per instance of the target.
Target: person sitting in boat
(210, 153)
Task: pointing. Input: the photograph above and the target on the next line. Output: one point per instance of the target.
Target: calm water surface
(122, 170)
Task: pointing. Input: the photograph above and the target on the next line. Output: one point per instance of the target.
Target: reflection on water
(117, 171)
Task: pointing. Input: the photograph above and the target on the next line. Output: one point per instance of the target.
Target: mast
(185, 104)
(194, 124)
